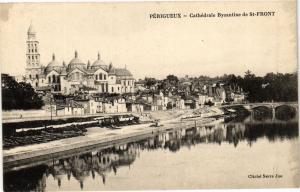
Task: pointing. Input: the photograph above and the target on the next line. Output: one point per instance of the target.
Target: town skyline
(148, 48)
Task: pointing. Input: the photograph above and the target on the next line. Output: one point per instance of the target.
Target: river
(247, 153)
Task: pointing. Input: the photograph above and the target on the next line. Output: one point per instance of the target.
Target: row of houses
(86, 104)
(93, 104)
(211, 91)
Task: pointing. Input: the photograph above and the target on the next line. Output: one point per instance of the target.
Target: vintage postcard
(149, 95)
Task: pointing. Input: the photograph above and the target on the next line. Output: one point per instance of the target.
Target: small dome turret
(111, 69)
(99, 63)
(88, 64)
(53, 65)
(76, 63)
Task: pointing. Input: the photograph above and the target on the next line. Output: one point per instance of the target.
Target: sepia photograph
(106, 96)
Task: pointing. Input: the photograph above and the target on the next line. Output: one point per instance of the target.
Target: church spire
(99, 56)
(31, 32)
(76, 54)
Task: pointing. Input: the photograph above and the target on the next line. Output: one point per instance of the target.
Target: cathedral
(67, 78)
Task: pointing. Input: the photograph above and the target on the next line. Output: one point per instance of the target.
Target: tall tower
(33, 67)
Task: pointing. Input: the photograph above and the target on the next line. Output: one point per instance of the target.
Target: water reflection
(282, 113)
(101, 162)
(285, 112)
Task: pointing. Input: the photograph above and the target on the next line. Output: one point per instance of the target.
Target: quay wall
(11, 127)
(10, 161)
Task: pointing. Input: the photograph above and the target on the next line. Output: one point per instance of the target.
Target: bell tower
(33, 66)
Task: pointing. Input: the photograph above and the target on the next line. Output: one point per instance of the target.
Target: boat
(156, 123)
(114, 127)
(191, 117)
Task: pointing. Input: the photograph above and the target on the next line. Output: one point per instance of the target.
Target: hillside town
(85, 88)
(183, 95)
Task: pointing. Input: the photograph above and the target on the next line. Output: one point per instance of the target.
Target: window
(104, 77)
(112, 89)
(36, 84)
(29, 76)
(37, 76)
(96, 77)
(128, 82)
(49, 79)
(100, 76)
(53, 78)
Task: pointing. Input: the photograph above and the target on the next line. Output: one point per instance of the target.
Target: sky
(125, 35)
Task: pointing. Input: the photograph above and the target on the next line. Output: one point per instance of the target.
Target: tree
(150, 82)
(172, 79)
(18, 95)
(249, 75)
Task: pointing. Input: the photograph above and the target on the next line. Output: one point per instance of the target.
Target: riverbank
(95, 136)
(106, 136)
(112, 165)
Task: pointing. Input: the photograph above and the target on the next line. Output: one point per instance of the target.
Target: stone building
(67, 78)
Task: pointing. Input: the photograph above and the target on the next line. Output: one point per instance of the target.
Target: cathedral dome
(122, 72)
(99, 63)
(53, 65)
(76, 63)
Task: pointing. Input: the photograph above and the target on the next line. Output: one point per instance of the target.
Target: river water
(233, 154)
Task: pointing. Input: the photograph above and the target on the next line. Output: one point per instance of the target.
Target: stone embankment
(106, 135)
(95, 137)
